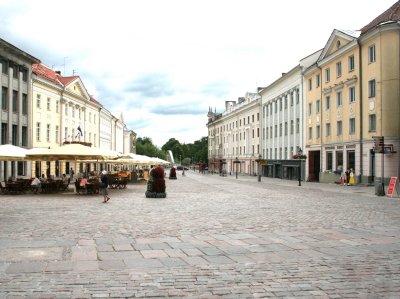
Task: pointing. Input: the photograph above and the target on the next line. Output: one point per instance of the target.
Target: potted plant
(156, 184)
(172, 174)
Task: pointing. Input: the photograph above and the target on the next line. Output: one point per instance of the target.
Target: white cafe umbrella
(69, 152)
(9, 152)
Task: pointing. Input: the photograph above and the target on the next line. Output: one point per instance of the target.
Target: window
(270, 133)
(371, 54)
(57, 107)
(329, 161)
(297, 97)
(372, 123)
(73, 111)
(339, 128)
(351, 63)
(66, 110)
(24, 136)
(252, 118)
(4, 66)
(248, 119)
(371, 88)
(352, 94)
(310, 133)
(276, 106)
(14, 140)
(291, 99)
(318, 106)
(15, 71)
(258, 132)
(253, 133)
(4, 136)
(258, 116)
(318, 80)
(339, 99)
(15, 101)
(285, 102)
(66, 133)
(276, 130)
(352, 126)
(280, 104)
(318, 131)
(48, 133)
(240, 122)
(48, 104)
(94, 141)
(280, 129)
(339, 69)
(309, 84)
(309, 108)
(291, 126)
(24, 104)
(4, 91)
(327, 75)
(38, 131)
(328, 130)
(56, 133)
(328, 102)
(38, 101)
(286, 128)
(24, 74)
(297, 125)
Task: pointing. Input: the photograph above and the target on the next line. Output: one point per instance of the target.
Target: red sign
(392, 186)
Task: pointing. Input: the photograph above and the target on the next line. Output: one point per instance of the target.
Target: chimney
(58, 72)
(283, 74)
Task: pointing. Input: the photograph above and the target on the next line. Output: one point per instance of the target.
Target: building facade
(16, 104)
(333, 107)
(283, 105)
(353, 95)
(234, 136)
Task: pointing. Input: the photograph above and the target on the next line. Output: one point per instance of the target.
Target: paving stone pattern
(212, 237)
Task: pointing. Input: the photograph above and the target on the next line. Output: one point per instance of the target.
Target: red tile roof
(45, 72)
(392, 14)
(66, 80)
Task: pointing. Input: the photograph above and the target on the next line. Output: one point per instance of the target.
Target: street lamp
(236, 162)
(259, 166)
(299, 153)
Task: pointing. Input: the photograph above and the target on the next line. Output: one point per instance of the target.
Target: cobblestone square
(212, 237)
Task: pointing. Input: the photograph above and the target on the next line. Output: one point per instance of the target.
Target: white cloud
(156, 59)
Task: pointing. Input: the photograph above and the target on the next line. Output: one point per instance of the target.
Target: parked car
(180, 167)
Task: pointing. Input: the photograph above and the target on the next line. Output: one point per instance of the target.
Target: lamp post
(299, 153)
(259, 167)
(236, 162)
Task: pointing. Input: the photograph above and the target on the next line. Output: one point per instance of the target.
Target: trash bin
(379, 187)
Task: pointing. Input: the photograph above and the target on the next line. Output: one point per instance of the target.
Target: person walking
(351, 175)
(104, 186)
(71, 174)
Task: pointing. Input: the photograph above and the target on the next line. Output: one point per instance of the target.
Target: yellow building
(352, 95)
(63, 112)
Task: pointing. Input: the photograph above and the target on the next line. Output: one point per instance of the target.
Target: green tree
(145, 146)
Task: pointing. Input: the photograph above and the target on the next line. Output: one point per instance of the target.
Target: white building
(234, 136)
(282, 124)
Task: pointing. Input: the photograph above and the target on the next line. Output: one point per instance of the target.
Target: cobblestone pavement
(211, 237)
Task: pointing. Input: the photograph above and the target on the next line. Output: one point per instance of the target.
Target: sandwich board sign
(392, 187)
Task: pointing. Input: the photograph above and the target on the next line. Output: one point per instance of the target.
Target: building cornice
(386, 27)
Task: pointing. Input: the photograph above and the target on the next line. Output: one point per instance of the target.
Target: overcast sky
(164, 62)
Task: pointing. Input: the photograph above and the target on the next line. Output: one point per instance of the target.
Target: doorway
(314, 165)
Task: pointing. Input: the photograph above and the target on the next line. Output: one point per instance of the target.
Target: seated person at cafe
(35, 184)
(64, 178)
(83, 181)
